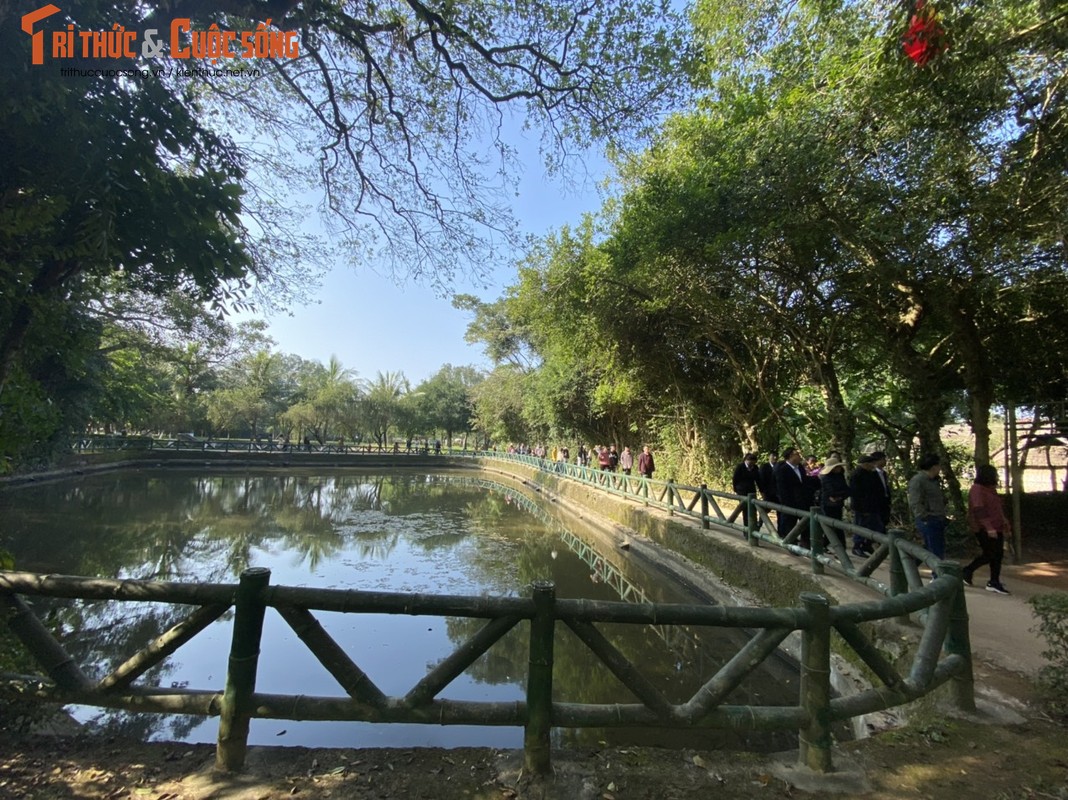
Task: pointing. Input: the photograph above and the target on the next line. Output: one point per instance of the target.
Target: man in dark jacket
(745, 481)
(767, 478)
(646, 464)
(790, 486)
(869, 497)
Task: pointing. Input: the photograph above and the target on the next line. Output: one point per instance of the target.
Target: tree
(51, 388)
(409, 102)
(144, 341)
(445, 399)
(133, 387)
(194, 367)
(252, 395)
(333, 396)
(492, 326)
(147, 191)
(872, 200)
(401, 105)
(381, 402)
(829, 217)
(498, 406)
(324, 399)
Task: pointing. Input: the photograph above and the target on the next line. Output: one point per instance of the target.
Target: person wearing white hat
(833, 488)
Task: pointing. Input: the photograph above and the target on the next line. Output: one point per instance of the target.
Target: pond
(396, 531)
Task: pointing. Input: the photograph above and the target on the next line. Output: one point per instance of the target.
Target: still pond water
(398, 532)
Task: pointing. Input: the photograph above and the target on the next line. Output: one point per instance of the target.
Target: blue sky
(373, 325)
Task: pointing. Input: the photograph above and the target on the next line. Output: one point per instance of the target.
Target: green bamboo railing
(942, 656)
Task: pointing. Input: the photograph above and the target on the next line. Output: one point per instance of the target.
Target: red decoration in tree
(925, 38)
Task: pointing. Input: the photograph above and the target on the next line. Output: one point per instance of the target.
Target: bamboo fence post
(671, 497)
(814, 740)
(815, 542)
(49, 653)
(536, 745)
(750, 517)
(899, 582)
(764, 518)
(704, 507)
(958, 641)
(234, 718)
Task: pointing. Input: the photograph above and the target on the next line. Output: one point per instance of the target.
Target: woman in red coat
(989, 525)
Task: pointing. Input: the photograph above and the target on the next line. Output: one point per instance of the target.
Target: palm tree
(382, 401)
(335, 394)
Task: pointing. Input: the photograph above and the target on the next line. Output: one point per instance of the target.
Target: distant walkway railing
(101, 443)
(943, 656)
(826, 536)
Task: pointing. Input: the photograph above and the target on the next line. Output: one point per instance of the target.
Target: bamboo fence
(943, 655)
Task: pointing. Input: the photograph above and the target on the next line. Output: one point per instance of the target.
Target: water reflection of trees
(676, 659)
(143, 727)
(208, 528)
(180, 526)
(100, 636)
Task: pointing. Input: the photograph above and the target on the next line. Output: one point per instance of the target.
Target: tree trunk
(840, 417)
(12, 341)
(979, 417)
(931, 406)
(975, 368)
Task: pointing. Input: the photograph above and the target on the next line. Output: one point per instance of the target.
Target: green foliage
(685, 454)
(831, 251)
(382, 405)
(504, 339)
(50, 386)
(399, 107)
(142, 181)
(1052, 613)
(498, 407)
(444, 400)
(102, 177)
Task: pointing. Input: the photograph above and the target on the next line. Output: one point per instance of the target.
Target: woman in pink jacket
(989, 525)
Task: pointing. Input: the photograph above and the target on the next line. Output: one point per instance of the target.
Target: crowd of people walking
(866, 493)
(605, 457)
(863, 495)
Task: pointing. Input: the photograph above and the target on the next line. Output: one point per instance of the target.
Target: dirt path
(1003, 628)
(934, 757)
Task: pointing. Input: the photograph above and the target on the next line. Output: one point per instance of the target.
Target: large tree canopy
(406, 107)
(836, 246)
(400, 118)
(394, 117)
